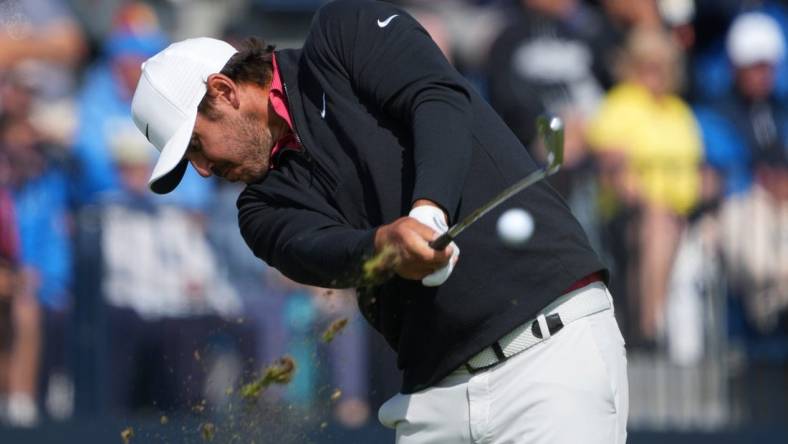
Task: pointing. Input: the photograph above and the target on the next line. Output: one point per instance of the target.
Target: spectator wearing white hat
(755, 44)
(750, 119)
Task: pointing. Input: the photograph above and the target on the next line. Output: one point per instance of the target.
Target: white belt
(574, 305)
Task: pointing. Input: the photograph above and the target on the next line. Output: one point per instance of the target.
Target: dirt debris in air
(379, 267)
(336, 395)
(126, 435)
(335, 328)
(199, 407)
(280, 372)
(207, 430)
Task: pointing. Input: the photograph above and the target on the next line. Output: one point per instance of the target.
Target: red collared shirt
(278, 100)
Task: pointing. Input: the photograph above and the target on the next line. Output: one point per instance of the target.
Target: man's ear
(222, 89)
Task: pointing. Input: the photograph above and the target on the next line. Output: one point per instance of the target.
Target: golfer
(357, 150)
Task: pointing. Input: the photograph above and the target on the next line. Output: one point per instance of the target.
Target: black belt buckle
(554, 324)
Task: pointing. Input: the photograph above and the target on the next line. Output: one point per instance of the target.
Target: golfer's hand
(434, 218)
(404, 244)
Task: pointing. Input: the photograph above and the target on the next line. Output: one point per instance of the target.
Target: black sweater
(385, 120)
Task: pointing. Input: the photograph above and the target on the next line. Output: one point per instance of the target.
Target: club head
(551, 131)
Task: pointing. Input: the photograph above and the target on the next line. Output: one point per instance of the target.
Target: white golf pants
(570, 388)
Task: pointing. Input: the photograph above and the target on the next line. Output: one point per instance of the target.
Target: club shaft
(445, 239)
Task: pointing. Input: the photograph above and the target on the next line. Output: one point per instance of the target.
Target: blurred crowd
(113, 299)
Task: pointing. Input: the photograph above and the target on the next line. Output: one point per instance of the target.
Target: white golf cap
(164, 107)
(755, 37)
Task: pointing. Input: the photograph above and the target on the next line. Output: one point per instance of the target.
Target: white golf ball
(515, 226)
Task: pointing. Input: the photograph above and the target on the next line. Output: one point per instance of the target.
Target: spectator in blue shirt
(38, 184)
(750, 119)
(105, 109)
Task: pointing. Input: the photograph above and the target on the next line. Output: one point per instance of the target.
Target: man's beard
(250, 143)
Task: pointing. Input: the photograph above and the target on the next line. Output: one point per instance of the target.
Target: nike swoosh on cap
(386, 22)
(146, 132)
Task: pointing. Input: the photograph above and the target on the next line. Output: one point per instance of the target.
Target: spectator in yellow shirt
(649, 149)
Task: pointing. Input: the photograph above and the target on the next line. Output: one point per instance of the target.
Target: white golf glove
(434, 218)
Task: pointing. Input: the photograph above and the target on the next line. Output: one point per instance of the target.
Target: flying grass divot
(127, 434)
(208, 431)
(280, 372)
(334, 329)
(379, 267)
